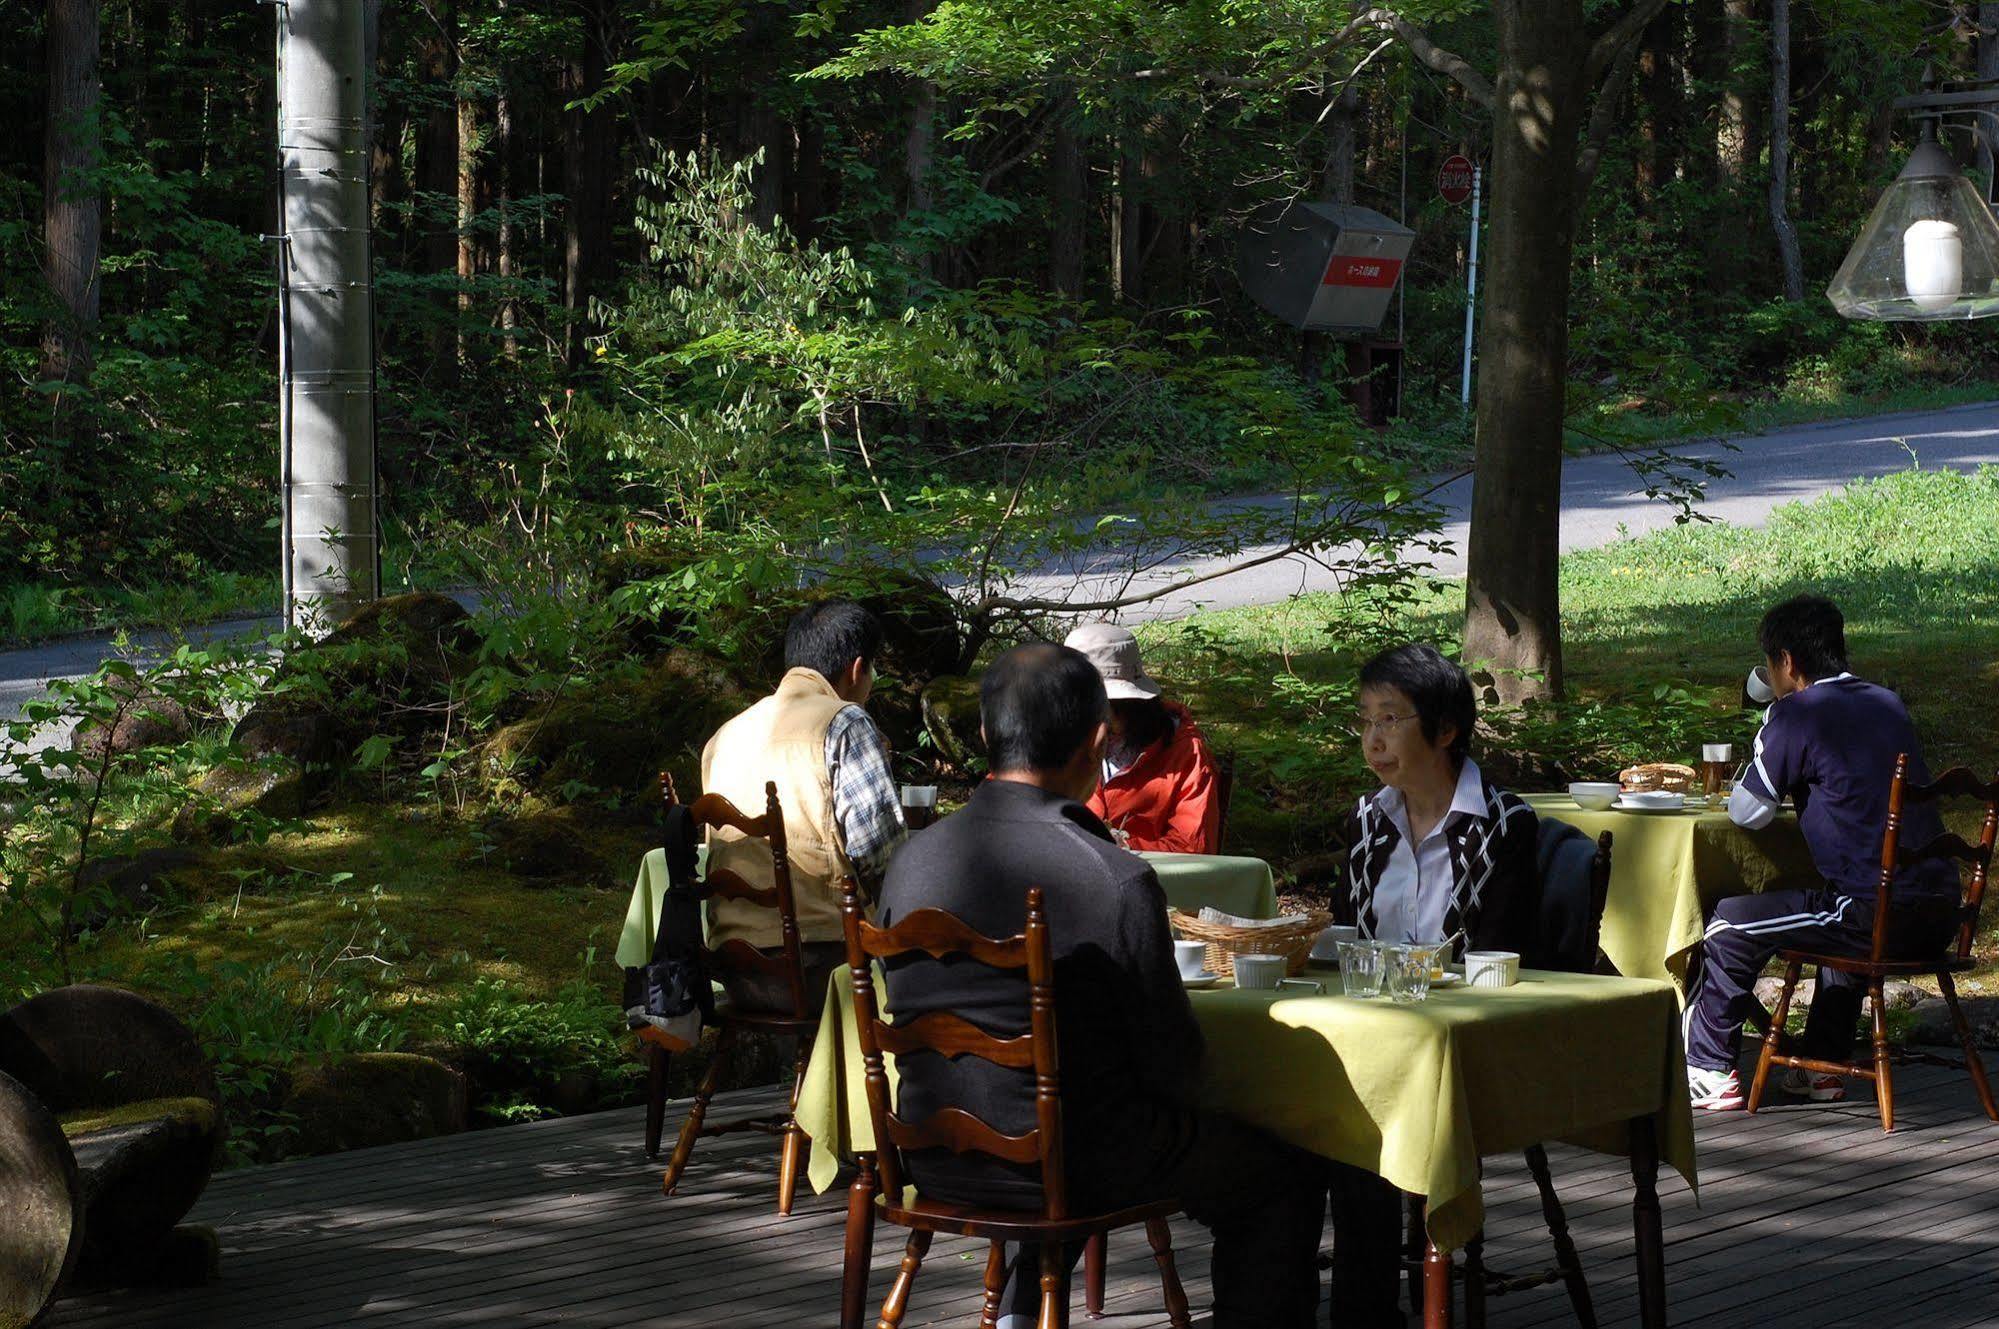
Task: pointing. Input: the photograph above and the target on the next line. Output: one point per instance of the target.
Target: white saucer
(1206, 980)
(1449, 980)
(1658, 802)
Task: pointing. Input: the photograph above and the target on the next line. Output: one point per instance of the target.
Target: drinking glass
(1360, 968)
(1717, 764)
(1406, 971)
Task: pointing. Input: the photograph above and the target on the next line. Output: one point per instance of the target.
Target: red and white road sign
(1454, 179)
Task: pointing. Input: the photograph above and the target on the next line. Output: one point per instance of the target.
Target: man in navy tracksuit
(1830, 742)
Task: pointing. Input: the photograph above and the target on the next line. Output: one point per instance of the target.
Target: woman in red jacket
(1159, 789)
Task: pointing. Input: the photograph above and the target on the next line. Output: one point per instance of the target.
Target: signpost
(1458, 179)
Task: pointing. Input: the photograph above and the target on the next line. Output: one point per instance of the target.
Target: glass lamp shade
(1929, 251)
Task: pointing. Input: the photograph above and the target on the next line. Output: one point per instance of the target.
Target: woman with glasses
(1437, 852)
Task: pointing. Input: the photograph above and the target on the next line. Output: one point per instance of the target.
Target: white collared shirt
(1414, 894)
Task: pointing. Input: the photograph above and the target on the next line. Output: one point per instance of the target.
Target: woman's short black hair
(1440, 690)
(831, 635)
(1039, 703)
(1812, 629)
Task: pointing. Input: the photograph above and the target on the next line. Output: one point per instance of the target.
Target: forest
(639, 268)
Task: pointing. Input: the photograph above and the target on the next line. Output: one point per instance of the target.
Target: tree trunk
(1660, 105)
(1780, 150)
(1336, 184)
(1068, 187)
(1707, 67)
(1128, 222)
(1737, 148)
(468, 210)
(387, 192)
(1512, 606)
(505, 262)
(589, 148)
(437, 173)
(919, 148)
(1987, 65)
(72, 205)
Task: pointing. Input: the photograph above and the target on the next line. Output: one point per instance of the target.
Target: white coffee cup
(1327, 947)
(1492, 969)
(1759, 688)
(919, 795)
(1191, 957)
(1259, 971)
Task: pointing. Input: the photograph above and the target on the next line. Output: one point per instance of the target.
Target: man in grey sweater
(1130, 1049)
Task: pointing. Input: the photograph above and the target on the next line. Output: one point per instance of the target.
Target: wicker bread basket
(1226, 941)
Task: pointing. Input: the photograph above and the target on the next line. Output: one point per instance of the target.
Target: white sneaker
(1714, 1091)
(1801, 1083)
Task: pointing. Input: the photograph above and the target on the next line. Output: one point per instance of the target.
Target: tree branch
(1603, 118)
(1624, 33)
(1449, 63)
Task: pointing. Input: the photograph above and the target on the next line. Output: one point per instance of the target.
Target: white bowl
(1596, 795)
(1492, 969)
(1653, 800)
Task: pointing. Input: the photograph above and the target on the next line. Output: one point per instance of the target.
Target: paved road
(1599, 494)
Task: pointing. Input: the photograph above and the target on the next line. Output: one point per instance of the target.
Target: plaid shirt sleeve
(866, 803)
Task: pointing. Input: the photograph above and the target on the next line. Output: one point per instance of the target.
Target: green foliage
(523, 1054)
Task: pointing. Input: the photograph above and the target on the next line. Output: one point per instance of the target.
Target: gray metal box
(1325, 267)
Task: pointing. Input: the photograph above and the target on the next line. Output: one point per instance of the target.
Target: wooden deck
(1809, 1216)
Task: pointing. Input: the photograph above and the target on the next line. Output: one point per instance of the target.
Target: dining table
(1417, 1093)
(1667, 870)
(1234, 884)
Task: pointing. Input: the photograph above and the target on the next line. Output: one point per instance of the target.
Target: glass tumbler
(1406, 972)
(1360, 968)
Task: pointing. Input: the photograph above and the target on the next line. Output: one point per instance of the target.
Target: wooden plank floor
(1809, 1216)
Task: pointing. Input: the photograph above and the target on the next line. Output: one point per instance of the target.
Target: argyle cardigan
(1494, 881)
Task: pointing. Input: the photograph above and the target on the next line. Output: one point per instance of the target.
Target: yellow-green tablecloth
(1667, 869)
(1417, 1094)
(1239, 886)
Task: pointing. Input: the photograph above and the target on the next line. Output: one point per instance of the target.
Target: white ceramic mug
(1492, 969)
(1327, 947)
(1259, 971)
(1191, 957)
(1759, 688)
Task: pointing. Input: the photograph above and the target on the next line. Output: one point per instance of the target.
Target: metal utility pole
(326, 299)
(1471, 281)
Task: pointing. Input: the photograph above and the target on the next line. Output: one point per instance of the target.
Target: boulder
(149, 719)
(274, 786)
(41, 1197)
(370, 1098)
(541, 848)
(951, 718)
(129, 883)
(1930, 1024)
(620, 734)
(1900, 996)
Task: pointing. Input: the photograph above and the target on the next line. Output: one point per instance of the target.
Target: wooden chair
(736, 956)
(1876, 967)
(1584, 956)
(880, 1187)
(1224, 795)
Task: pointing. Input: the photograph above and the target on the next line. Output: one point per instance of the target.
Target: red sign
(1454, 179)
(1353, 270)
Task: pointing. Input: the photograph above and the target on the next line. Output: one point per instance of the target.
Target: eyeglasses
(1360, 726)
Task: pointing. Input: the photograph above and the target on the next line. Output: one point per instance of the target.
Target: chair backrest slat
(1949, 845)
(722, 884)
(962, 1133)
(954, 1036)
(938, 934)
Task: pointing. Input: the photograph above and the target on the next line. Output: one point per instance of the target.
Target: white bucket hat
(1114, 651)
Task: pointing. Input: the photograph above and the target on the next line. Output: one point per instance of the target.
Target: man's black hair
(1812, 629)
(1439, 689)
(1039, 703)
(831, 635)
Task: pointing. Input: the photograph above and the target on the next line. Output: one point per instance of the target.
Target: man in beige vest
(842, 815)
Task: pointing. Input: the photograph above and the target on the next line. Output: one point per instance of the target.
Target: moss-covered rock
(147, 719)
(372, 1098)
(275, 786)
(951, 718)
(617, 736)
(131, 883)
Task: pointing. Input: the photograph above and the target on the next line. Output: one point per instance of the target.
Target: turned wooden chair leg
(1160, 1233)
(1774, 1037)
(1969, 1041)
(697, 1111)
(794, 1138)
(1566, 1260)
(656, 1064)
(1054, 1288)
(1884, 1062)
(905, 1278)
(858, 1255)
(1093, 1275)
(1436, 1286)
(995, 1286)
